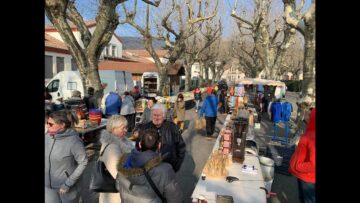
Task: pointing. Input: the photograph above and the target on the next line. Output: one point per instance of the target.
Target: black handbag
(101, 179)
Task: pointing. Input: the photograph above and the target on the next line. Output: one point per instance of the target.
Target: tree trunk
(206, 69)
(164, 80)
(308, 84)
(201, 77)
(212, 68)
(187, 77)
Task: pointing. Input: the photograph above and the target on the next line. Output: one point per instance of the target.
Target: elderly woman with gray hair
(114, 144)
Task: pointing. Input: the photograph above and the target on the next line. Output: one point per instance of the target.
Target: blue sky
(88, 9)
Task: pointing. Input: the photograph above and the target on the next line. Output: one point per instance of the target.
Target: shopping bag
(200, 123)
(203, 122)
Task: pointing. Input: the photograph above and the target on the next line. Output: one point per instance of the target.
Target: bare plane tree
(207, 61)
(61, 12)
(195, 46)
(247, 57)
(305, 24)
(270, 48)
(174, 36)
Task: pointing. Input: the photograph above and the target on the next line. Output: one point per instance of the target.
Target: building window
(113, 50)
(59, 64)
(48, 66)
(73, 64)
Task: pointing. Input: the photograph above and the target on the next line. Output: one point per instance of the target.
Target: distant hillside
(137, 43)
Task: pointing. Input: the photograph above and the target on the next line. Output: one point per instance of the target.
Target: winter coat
(128, 105)
(209, 106)
(111, 104)
(65, 159)
(222, 96)
(302, 162)
(91, 102)
(146, 116)
(179, 110)
(173, 146)
(135, 188)
(110, 157)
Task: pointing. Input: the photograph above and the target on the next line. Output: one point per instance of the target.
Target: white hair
(161, 107)
(116, 121)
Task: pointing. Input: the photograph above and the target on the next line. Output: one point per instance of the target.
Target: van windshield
(53, 86)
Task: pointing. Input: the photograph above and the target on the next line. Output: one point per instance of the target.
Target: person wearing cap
(131, 181)
(209, 109)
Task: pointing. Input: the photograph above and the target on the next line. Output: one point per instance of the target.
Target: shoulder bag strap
(104, 150)
(153, 185)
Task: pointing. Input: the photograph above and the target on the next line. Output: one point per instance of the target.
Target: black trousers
(210, 125)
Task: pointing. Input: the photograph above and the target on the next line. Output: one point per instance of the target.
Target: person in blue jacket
(113, 104)
(209, 108)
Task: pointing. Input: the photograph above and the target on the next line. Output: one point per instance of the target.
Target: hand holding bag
(101, 179)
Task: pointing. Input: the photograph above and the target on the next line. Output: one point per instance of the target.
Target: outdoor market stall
(223, 175)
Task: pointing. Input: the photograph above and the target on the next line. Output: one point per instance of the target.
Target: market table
(83, 131)
(246, 190)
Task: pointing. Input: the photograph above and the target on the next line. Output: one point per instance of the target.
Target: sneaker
(196, 111)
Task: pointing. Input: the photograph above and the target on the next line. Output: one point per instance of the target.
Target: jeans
(306, 192)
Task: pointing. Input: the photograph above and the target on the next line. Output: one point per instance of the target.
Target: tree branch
(55, 11)
(200, 18)
(156, 3)
(74, 16)
(233, 14)
(107, 21)
(290, 16)
(164, 22)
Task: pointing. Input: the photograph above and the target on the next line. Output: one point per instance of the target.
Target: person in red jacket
(302, 162)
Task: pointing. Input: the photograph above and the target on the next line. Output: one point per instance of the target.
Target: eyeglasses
(50, 124)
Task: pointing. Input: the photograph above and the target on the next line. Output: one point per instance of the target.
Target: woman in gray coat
(131, 181)
(116, 143)
(128, 110)
(65, 158)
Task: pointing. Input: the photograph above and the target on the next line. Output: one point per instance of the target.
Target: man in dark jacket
(172, 144)
(90, 100)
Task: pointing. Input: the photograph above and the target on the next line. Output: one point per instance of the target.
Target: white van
(63, 83)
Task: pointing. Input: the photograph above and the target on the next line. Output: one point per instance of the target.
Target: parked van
(63, 83)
